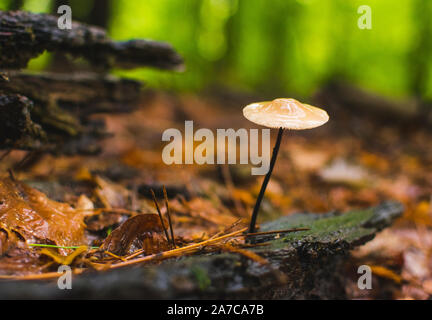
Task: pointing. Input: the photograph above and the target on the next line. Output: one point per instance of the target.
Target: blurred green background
(271, 46)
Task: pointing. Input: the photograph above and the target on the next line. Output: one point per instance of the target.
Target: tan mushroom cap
(285, 113)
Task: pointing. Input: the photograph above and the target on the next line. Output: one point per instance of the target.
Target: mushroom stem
(265, 182)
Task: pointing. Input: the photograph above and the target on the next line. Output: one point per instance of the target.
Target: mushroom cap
(285, 113)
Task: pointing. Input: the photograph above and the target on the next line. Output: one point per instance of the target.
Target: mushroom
(282, 114)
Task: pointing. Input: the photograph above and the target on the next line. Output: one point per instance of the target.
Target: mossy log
(302, 265)
(25, 35)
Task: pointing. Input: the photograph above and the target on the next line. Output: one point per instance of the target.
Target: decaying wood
(62, 106)
(25, 35)
(17, 129)
(51, 112)
(304, 264)
(48, 129)
(81, 93)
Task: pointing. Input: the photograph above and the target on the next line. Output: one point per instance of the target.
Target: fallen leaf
(36, 218)
(111, 195)
(143, 231)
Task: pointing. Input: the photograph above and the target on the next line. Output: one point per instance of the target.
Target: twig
(42, 276)
(227, 229)
(12, 175)
(247, 253)
(114, 255)
(169, 216)
(55, 246)
(160, 215)
(174, 252)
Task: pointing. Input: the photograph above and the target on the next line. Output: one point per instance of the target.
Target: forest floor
(348, 163)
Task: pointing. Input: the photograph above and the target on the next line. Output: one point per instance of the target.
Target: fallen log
(82, 93)
(61, 107)
(47, 128)
(25, 35)
(52, 113)
(17, 129)
(302, 265)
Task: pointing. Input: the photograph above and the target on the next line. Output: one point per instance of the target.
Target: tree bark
(60, 106)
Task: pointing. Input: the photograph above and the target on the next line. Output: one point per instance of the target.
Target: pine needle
(55, 246)
(175, 252)
(160, 214)
(169, 216)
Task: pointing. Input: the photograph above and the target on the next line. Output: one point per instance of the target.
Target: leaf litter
(387, 161)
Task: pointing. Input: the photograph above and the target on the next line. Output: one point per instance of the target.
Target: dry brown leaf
(112, 195)
(143, 231)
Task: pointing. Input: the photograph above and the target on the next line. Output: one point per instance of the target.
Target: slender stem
(265, 182)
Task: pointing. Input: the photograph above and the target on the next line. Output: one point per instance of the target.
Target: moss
(323, 228)
(201, 276)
